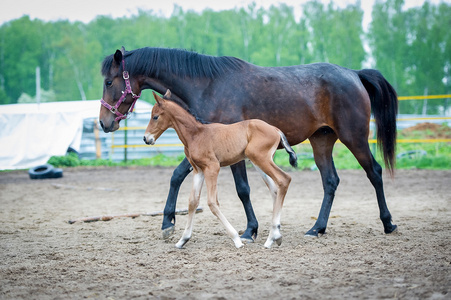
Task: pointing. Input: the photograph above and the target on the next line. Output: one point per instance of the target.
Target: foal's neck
(184, 123)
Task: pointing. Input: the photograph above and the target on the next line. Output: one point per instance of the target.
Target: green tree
(336, 34)
(21, 52)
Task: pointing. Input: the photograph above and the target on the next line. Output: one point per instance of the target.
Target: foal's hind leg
(277, 182)
(198, 180)
(322, 142)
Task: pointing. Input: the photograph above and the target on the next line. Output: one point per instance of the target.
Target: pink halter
(128, 90)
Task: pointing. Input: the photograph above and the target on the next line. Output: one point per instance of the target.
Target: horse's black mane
(185, 107)
(150, 61)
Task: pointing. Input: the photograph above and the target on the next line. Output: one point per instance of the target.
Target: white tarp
(30, 133)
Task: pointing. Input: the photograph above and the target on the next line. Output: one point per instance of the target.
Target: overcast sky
(87, 10)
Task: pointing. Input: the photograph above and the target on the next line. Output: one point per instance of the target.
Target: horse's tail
(290, 151)
(384, 104)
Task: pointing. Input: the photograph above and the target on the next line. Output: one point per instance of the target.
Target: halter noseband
(128, 90)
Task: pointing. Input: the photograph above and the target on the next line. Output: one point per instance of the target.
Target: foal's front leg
(211, 178)
(198, 181)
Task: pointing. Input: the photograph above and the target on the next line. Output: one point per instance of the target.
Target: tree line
(412, 48)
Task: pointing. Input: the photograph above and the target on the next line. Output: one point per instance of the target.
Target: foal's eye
(108, 83)
(155, 118)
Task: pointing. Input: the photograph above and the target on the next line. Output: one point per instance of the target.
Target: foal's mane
(150, 61)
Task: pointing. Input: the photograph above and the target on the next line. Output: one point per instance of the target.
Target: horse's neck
(181, 88)
(184, 124)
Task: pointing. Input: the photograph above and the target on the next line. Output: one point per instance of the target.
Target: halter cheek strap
(128, 90)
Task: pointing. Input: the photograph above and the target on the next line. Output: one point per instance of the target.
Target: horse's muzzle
(107, 129)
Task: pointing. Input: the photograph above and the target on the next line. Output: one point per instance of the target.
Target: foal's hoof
(391, 229)
(269, 242)
(181, 243)
(166, 233)
(239, 245)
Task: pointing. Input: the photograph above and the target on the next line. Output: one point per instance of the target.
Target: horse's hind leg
(198, 180)
(211, 179)
(177, 178)
(361, 150)
(322, 142)
(243, 190)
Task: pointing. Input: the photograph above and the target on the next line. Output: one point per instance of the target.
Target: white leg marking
(198, 181)
(274, 232)
(269, 183)
(229, 228)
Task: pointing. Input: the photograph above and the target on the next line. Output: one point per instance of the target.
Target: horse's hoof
(392, 229)
(246, 240)
(279, 241)
(248, 237)
(314, 233)
(308, 235)
(168, 232)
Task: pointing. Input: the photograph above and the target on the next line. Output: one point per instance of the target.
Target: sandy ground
(44, 257)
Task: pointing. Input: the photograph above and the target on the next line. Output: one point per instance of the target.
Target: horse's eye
(155, 118)
(108, 83)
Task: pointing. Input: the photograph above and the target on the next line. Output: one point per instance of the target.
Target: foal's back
(232, 143)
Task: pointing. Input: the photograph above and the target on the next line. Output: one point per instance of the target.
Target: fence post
(97, 140)
(373, 146)
(125, 141)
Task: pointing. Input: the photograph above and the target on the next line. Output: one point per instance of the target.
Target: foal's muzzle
(149, 139)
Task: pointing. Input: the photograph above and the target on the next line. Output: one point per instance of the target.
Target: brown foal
(211, 146)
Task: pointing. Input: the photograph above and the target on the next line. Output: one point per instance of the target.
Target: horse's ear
(123, 50)
(167, 95)
(118, 57)
(157, 98)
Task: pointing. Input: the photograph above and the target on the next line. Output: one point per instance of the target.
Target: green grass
(438, 157)
(72, 160)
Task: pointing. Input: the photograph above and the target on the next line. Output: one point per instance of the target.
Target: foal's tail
(290, 151)
(384, 104)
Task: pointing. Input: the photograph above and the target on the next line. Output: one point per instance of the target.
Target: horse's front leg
(198, 180)
(177, 178)
(243, 190)
(211, 179)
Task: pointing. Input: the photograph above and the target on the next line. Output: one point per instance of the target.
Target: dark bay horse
(208, 147)
(321, 102)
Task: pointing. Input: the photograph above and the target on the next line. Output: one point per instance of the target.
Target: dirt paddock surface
(44, 257)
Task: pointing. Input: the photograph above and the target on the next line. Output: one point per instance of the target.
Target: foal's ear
(157, 98)
(167, 95)
(118, 57)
